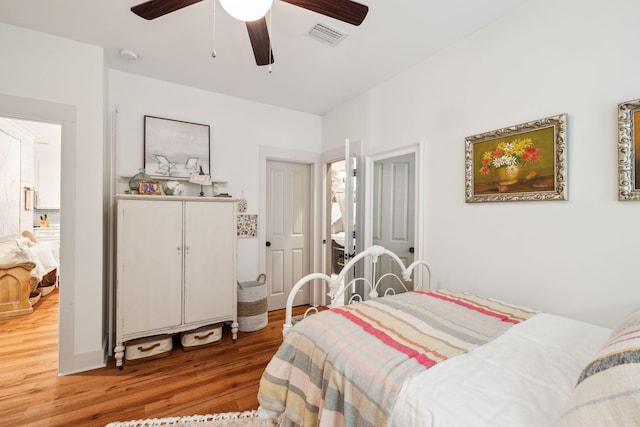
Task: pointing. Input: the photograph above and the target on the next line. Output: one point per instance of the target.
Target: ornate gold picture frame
(629, 150)
(524, 162)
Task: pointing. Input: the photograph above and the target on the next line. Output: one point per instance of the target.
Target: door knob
(411, 250)
(268, 243)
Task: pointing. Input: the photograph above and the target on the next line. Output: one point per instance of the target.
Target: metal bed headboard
(339, 285)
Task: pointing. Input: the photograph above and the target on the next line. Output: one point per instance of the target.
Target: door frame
(418, 150)
(14, 107)
(268, 153)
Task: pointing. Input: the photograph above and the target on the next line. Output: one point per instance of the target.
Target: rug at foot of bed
(227, 419)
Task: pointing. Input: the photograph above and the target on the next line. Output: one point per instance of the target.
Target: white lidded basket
(201, 337)
(252, 304)
(149, 348)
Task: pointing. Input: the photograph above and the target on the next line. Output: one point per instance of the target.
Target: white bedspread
(520, 379)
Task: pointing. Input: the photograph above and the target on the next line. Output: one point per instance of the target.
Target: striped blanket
(345, 366)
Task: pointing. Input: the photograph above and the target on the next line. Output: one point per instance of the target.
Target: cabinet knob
(268, 243)
(411, 250)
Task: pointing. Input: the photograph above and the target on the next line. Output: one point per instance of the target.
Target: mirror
(336, 182)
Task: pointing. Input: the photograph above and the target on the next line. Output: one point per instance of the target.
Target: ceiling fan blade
(259, 36)
(153, 9)
(343, 10)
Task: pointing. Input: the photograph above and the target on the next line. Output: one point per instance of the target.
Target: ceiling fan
(344, 10)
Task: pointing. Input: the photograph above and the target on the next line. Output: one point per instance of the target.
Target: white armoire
(175, 266)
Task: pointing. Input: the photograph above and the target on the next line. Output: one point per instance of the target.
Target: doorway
(343, 216)
(40, 198)
(394, 204)
(288, 225)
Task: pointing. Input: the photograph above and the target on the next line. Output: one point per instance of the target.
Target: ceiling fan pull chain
(213, 52)
(271, 30)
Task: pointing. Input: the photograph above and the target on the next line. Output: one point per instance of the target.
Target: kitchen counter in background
(50, 233)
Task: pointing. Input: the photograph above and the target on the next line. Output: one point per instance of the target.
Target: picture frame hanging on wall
(525, 162)
(629, 150)
(247, 225)
(175, 149)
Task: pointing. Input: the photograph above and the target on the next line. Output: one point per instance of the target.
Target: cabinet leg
(118, 354)
(234, 331)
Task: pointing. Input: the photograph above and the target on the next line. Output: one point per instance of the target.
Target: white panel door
(393, 210)
(209, 257)
(150, 264)
(287, 230)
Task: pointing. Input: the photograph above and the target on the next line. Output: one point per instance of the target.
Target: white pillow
(24, 242)
(6, 258)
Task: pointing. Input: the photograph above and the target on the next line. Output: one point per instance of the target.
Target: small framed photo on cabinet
(149, 187)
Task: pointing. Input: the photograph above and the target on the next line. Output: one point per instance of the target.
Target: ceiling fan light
(246, 10)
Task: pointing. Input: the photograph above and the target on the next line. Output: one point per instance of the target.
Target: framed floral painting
(517, 163)
(629, 150)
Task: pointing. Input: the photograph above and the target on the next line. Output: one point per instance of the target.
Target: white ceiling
(47, 136)
(307, 75)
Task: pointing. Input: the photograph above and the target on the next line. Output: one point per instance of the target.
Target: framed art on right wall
(525, 162)
(629, 150)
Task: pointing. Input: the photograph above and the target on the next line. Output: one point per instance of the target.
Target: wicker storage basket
(252, 305)
(34, 297)
(46, 290)
(149, 348)
(201, 337)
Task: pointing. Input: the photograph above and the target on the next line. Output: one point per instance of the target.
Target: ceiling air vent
(326, 34)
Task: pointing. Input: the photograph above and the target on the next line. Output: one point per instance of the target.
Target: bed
(28, 270)
(435, 357)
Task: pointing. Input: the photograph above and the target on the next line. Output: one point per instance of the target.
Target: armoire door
(209, 273)
(149, 245)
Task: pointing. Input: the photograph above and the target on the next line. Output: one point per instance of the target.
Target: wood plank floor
(221, 378)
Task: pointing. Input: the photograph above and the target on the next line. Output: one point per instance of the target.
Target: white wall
(239, 128)
(575, 257)
(49, 78)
